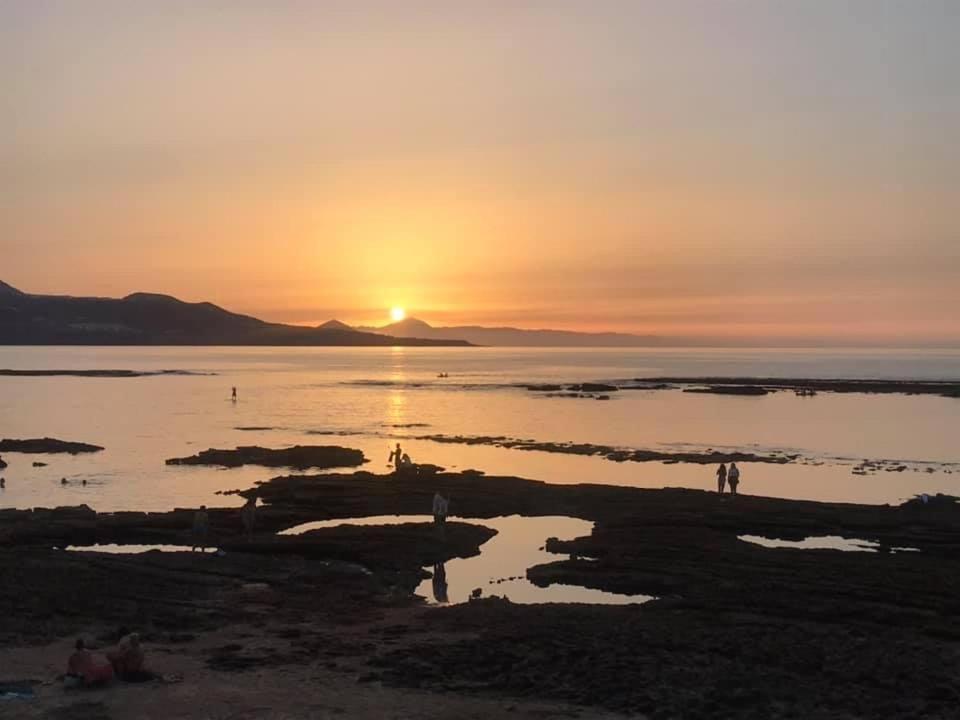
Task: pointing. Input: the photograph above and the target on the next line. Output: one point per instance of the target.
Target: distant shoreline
(96, 373)
(745, 386)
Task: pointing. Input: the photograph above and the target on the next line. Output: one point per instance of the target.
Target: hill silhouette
(515, 337)
(152, 319)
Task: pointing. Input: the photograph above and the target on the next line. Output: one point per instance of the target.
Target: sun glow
(397, 314)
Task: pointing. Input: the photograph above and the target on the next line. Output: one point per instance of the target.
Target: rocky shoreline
(753, 385)
(608, 452)
(737, 630)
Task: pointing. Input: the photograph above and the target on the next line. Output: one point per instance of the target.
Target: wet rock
(593, 388)
(729, 390)
(707, 457)
(47, 445)
(907, 387)
(300, 457)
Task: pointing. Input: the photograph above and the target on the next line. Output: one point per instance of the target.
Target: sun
(397, 314)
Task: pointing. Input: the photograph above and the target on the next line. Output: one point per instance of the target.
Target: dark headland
(150, 319)
(736, 630)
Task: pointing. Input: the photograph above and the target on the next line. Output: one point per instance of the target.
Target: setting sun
(397, 314)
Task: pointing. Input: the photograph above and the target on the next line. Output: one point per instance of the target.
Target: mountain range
(513, 337)
(151, 319)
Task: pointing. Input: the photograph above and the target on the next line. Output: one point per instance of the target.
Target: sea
(371, 398)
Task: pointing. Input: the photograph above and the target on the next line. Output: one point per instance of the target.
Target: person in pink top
(87, 668)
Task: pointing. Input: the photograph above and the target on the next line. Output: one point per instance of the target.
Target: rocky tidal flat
(736, 629)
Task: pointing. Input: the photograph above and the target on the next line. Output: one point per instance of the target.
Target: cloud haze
(743, 169)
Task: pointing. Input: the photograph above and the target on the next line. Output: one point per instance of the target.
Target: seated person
(85, 668)
(127, 657)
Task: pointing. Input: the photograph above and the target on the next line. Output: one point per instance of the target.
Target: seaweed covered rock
(47, 445)
(299, 457)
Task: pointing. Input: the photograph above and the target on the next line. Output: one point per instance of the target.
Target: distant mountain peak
(411, 323)
(151, 297)
(334, 325)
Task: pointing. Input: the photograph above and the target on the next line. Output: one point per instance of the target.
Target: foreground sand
(271, 693)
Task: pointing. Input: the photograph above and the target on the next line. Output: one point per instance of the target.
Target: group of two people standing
(725, 476)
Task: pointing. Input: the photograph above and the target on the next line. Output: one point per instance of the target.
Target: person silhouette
(201, 529)
(721, 478)
(396, 457)
(234, 395)
(248, 515)
(440, 583)
(733, 477)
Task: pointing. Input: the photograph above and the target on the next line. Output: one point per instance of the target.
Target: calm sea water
(143, 421)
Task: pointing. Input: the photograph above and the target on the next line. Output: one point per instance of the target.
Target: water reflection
(440, 584)
(822, 542)
(501, 567)
(133, 549)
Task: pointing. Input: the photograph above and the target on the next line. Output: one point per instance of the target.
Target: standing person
(201, 529)
(734, 477)
(234, 396)
(721, 478)
(396, 457)
(441, 506)
(248, 514)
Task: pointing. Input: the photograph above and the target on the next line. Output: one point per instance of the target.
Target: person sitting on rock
(733, 477)
(84, 668)
(127, 657)
(201, 529)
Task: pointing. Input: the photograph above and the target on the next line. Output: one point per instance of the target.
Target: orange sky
(746, 170)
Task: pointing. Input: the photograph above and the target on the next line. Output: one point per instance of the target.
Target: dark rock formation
(47, 445)
(592, 388)
(738, 630)
(399, 551)
(947, 388)
(2, 464)
(610, 453)
(729, 390)
(300, 457)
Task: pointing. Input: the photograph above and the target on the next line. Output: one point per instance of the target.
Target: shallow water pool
(501, 567)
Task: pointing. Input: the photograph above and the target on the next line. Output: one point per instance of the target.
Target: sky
(757, 171)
